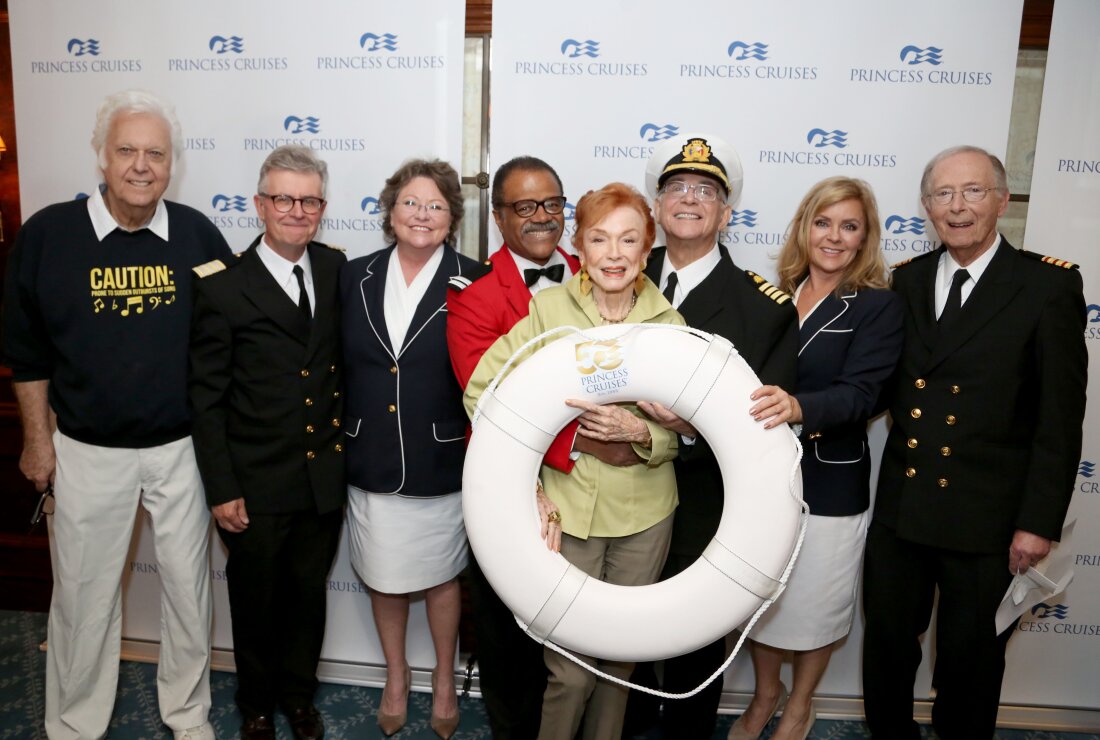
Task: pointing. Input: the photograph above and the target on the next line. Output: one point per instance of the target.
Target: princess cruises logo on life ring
(600, 367)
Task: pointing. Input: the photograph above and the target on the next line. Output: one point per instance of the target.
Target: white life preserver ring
(704, 380)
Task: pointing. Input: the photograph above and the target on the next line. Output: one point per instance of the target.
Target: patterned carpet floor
(349, 710)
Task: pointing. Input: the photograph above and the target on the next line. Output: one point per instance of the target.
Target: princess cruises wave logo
(653, 132)
(739, 51)
(745, 60)
(820, 138)
(821, 142)
(303, 130)
(226, 203)
(580, 60)
(575, 49)
(223, 45)
(80, 47)
(913, 55)
(1054, 619)
(744, 218)
(1092, 315)
(371, 51)
(741, 230)
(370, 206)
(896, 231)
(299, 125)
(649, 133)
(901, 225)
(913, 69)
(374, 42)
(1087, 470)
(224, 53)
(83, 56)
(370, 220)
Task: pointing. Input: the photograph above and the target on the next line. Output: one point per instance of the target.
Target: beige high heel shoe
(740, 732)
(443, 726)
(391, 724)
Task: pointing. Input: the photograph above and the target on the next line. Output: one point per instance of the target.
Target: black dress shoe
(258, 727)
(307, 723)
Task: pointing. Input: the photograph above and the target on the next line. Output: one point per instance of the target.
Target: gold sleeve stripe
(768, 289)
(209, 268)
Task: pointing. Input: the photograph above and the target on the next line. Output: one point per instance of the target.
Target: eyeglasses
(285, 204)
(971, 194)
(434, 208)
(524, 208)
(704, 192)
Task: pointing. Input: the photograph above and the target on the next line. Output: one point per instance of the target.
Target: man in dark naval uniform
(978, 470)
(695, 179)
(265, 387)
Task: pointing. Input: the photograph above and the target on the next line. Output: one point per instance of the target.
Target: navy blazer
(848, 349)
(404, 420)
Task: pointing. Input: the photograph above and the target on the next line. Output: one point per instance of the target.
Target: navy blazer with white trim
(849, 346)
(404, 420)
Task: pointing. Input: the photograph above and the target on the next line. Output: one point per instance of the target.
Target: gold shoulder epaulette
(768, 289)
(903, 263)
(1066, 264)
(209, 268)
(333, 247)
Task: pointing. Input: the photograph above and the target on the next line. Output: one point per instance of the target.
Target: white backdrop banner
(861, 89)
(1060, 638)
(365, 85)
(866, 90)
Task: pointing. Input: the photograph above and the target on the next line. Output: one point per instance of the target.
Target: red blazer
(485, 309)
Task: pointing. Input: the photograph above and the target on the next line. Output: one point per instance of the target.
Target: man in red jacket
(529, 209)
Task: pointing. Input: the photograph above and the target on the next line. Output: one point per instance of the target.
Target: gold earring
(586, 282)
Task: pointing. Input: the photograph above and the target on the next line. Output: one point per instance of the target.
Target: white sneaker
(202, 732)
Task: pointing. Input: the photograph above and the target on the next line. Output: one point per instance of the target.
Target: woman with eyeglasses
(850, 337)
(405, 429)
(612, 522)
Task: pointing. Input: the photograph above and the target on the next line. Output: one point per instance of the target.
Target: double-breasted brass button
(942, 483)
(955, 389)
(332, 368)
(309, 429)
(950, 420)
(394, 369)
(309, 402)
(338, 447)
(912, 443)
(310, 454)
(915, 413)
(336, 422)
(336, 394)
(945, 451)
(391, 408)
(910, 472)
(919, 383)
(814, 435)
(304, 373)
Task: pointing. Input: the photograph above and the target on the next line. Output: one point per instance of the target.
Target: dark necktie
(670, 287)
(303, 296)
(531, 275)
(953, 306)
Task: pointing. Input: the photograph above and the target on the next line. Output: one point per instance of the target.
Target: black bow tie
(531, 275)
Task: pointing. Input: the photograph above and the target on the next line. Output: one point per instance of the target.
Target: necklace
(633, 301)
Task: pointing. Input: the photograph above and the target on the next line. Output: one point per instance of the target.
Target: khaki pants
(97, 491)
(572, 692)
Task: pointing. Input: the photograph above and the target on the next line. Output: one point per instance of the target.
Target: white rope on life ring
(704, 380)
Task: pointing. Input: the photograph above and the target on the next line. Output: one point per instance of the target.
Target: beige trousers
(573, 694)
